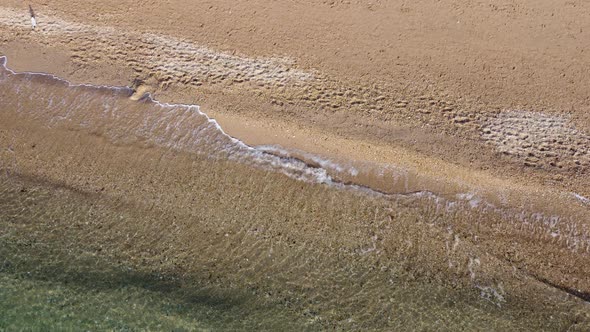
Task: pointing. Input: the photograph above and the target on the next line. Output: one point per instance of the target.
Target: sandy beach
(480, 108)
(433, 87)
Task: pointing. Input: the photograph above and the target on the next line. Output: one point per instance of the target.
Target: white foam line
(324, 163)
(4, 61)
(323, 177)
(581, 198)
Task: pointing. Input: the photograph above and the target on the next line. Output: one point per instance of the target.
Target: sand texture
(347, 163)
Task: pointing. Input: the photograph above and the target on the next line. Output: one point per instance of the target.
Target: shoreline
(108, 185)
(449, 181)
(253, 117)
(135, 202)
(246, 110)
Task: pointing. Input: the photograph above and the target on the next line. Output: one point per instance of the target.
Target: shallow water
(97, 189)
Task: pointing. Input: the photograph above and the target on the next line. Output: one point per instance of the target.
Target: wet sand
(442, 107)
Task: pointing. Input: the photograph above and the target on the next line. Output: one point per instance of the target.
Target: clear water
(107, 200)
